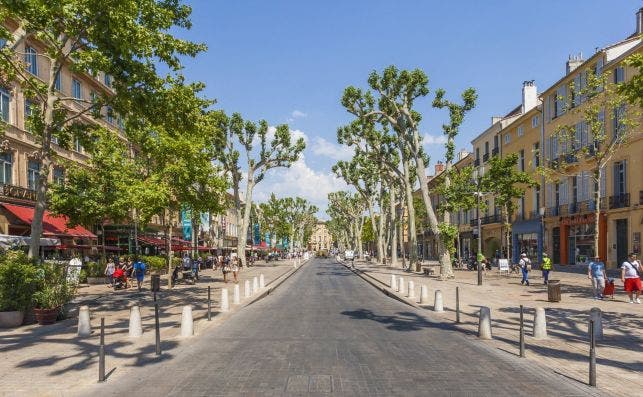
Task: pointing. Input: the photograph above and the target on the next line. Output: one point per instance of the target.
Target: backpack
(139, 267)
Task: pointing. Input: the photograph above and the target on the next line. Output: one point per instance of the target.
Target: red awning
(157, 242)
(53, 225)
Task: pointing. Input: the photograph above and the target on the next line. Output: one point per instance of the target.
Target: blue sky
(289, 61)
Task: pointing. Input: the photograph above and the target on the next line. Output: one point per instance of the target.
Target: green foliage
(633, 89)
(448, 234)
(368, 234)
(54, 290)
(154, 263)
(460, 193)
(94, 269)
(18, 281)
(505, 182)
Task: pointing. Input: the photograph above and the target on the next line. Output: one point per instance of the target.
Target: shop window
(6, 168)
(33, 169)
(528, 244)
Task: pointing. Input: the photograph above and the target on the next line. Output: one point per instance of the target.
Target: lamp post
(477, 176)
(541, 212)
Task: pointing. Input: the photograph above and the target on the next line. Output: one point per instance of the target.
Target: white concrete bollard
(424, 295)
(84, 323)
(484, 323)
(393, 282)
(236, 295)
(596, 315)
(540, 323)
(187, 324)
(262, 281)
(411, 290)
(247, 291)
(438, 305)
(135, 325)
(400, 285)
(255, 284)
(225, 304)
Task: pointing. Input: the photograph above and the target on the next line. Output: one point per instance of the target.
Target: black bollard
(522, 332)
(209, 305)
(154, 296)
(592, 355)
(101, 352)
(457, 305)
(157, 327)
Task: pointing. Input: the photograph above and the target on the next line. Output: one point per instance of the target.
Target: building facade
(321, 238)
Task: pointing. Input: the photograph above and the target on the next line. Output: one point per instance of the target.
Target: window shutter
(603, 182)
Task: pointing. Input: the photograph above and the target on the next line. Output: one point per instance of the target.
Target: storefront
(526, 237)
(576, 241)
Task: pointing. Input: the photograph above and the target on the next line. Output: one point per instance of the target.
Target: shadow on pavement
(401, 321)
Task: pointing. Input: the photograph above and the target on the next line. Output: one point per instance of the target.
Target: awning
(177, 243)
(53, 225)
(8, 241)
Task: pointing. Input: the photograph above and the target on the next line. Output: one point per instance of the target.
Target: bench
(428, 268)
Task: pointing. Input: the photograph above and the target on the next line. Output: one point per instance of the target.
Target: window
(619, 75)
(28, 112)
(2, 42)
(6, 168)
(520, 131)
(620, 178)
(507, 138)
(58, 83)
(31, 59)
(495, 141)
(76, 89)
(120, 122)
(5, 100)
(478, 153)
(536, 153)
(486, 147)
(521, 160)
(537, 198)
(534, 121)
(77, 146)
(560, 99)
(59, 175)
(33, 168)
(619, 126)
(108, 80)
(110, 115)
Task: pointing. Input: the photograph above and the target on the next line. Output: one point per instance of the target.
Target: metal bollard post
(592, 355)
(157, 327)
(457, 305)
(209, 305)
(522, 333)
(101, 352)
(154, 296)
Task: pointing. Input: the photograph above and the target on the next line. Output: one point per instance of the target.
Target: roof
(53, 225)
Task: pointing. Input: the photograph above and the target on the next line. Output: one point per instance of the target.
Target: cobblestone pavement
(327, 332)
(565, 351)
(51, 360)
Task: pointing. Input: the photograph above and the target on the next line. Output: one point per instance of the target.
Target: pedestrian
(596, 273)
(525, 267)
(226, 268)
(139, 272)
(109, 271)
(196, 265)
(630, 276)
(128, 269)
(546, 267)
(235, 268)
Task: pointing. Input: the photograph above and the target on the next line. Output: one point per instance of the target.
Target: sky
(289, 62)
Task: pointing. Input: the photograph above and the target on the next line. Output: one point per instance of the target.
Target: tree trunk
(411, 220)
(371, 213)
(102, 231)
(245, 219)
(507, 232)
(597, 209)
(446, 270)
(393, 241)
(380, 230)
(170, 265)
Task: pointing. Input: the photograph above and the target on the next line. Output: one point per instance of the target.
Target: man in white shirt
(630, 276)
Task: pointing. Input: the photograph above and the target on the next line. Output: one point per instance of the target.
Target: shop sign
(579, 220)
(18, 192)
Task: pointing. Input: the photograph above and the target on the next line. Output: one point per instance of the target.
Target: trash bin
(156, 282)
(553, 290)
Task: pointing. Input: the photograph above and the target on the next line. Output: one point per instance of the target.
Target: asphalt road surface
(325, 331)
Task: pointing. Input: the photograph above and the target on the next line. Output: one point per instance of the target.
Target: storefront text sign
(579, 220)
(18, 192)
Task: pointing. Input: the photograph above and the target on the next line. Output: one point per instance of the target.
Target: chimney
(573, 62)
(495, 119)
(439, 167)
(639, 21)
(463, 153)
(529, 96)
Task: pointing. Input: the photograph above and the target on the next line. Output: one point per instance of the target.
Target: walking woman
(235, 268)
(525, 267)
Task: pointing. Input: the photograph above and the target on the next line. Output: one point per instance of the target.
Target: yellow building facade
(320, 239)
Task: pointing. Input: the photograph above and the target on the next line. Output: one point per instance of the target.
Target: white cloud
(322, 147)
(295, 134)
(299, 180)
(297, 114)
(429, 139)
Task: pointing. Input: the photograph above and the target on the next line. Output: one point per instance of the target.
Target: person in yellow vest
(546, 267)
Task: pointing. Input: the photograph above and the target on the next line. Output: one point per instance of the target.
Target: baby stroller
(609, 288)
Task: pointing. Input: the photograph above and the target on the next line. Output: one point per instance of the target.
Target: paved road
(326, 331)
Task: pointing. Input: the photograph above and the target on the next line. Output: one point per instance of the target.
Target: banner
(256, 238)
(204, 222)
(186, 216)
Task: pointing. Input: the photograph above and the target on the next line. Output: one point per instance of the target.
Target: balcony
(551, 211)
(570, 158)
(586, 206)
(553, 164)
(495, 151)
(563, 209)
(485, 220)
(485, 158)
(476, 163)
(572, 208)
(619, 201)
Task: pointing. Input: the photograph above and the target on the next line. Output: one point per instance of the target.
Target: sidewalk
(619, 354)
(52, 360)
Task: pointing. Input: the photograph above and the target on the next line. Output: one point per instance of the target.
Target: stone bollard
(540, 323)
(255, 284)
(400, 285)
(411, 290)
(424, 295)
(236, 295)
(135, 325)
(187, 324)
(438, 306)
(596, 315)
(225, 305)
(262, 281)
(484, 323)
(247, 291)
(393, 282)
(84, 324)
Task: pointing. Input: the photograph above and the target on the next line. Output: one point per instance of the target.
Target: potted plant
(53, 293)
(95, 273)
(18, 282)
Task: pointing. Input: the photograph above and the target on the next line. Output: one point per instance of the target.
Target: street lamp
(541, 211)
(477, 176)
